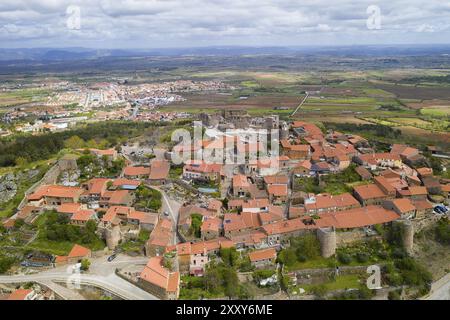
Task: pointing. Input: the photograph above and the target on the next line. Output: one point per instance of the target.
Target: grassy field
(16, 97)
(351, 281)
(443, 111)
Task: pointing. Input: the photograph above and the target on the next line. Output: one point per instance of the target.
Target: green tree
(287, 257)
(306, 246)
(21, 161)
(18, 223)
(229, 256)
(74, 142)
(6, 263)
(85, 264)
(196, 224)
(442, 231)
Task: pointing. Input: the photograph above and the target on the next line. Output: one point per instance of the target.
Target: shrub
(259, 275)
(6, 263)
(307, 246)
(287, 257)
(442, 231)
(394, 295)
(196, 224)
(319, 290)
(362, 257)
(85, 264)
(344, 258)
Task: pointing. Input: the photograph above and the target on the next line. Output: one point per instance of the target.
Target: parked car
(112, 257)
(166, 213)
(439, 209)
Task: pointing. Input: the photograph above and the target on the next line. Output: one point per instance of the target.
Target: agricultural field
(436, 111)
(17, 97)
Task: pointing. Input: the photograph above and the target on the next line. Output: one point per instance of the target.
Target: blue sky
(193, 23)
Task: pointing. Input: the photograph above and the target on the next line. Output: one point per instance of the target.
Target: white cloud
(161, 23)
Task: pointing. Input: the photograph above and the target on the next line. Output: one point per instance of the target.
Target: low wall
(50, 177)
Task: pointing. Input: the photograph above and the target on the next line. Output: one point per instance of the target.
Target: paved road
(172, 206)
(300, 105)
(101, 274)
(63, 292)
(440, 290)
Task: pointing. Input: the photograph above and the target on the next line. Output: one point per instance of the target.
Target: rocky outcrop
(10, 182)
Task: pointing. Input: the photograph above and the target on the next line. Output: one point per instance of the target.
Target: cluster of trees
(332, 183)
(196, 224)
(363, 252)
(6, 263)
(436, 79)
(91, 166)
(32, 148)
(302, 248)
(57, 228)
(442, 231)
(375, 129)
(220, 279)
(148, 198)
(406, 271)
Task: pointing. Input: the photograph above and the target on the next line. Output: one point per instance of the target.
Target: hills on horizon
(76, 53)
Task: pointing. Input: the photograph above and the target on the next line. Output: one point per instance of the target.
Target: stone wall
(344, 238)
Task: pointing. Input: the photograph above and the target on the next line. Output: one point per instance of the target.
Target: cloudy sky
(195, 23)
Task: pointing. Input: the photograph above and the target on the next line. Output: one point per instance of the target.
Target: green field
(436, 112)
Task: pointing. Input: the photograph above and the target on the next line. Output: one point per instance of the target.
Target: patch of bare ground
(425, 134)
(332, 119)
(415, 92)
(433, 255)
(434, 103)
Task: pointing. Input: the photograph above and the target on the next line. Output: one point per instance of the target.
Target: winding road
(101, 275)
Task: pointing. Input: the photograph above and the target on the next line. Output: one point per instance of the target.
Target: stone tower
(112, 236)
(407, 235)
(327, 238)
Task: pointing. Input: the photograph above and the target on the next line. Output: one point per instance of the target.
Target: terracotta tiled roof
(161, 234)
(371, 157)
(70, 208)
(255, 203)
(305, 164)
(282, 179)
(369, 191)
(240, 181)
(136, 171)
(159, 169)
(424, 171)
(83, 215)
(155, 273)
(19, 294)
(422, 204)
(211, 224)
(79, 252)
(122, 181)
(97, 185)
(352, 218)
(233, 222)
(56, 192)
(278, 190)
(326, 201)
(265, 254)
(203, 167)
(403, 205)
